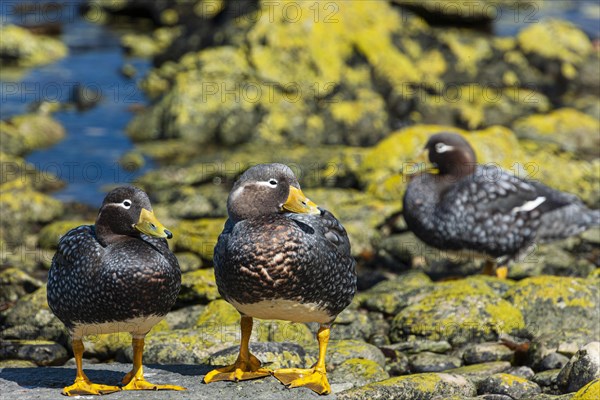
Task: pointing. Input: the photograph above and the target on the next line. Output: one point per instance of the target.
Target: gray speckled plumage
(132, 275)
(304, 258)
(485, 209)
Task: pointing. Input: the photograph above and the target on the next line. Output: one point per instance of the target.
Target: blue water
(87, 158)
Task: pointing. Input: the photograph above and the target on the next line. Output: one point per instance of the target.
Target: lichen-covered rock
(199, 237)
(555, 46)
(198, 287)
(358, 372)
(478, 372)
(14, 284)
(456, 12)
(513, 386)
(583, 368)
(569, 129)
(432, 362)
(458, 312)
(339, 351)
(42, 352)
(139, 45)
(188, 261)
(50, 234)
(22, 48)
(30, 318)
(418, 387)
(591, 391)
(390, 296)
(486, 352)
(181, 346)
(23, 133)
(547, 380)
(553, 304)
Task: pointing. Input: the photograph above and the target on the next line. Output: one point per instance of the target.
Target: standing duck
(281, 257)
(485, 210)
(115, 276)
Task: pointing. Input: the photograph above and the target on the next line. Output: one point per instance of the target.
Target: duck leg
(247, 366)
(82, 385)
(134, 380)
(314, 378)
(492, 269)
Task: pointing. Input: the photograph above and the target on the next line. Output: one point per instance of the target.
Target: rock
(358, 324)
(139, 45)
(275, 355)
(50, 234)
(30, 318)
(418, 386)
(184, 317)
(396, 362)
(509, 385)
(567, 344)
(477, 372)
(458, 312)
(339, 351)
(390, 296)
(182, 346)
(41, 352)
(358, 371)
(547, 380)
(449, 12)
(418, 346)
(522, 371)
(556, 304)
(14, 284)
(556, 47)
(188, 261)
(432, 362)
(22, 134)
(22, 48)
(553, 361)
(17, 364)
(198, 287)
(569, 129)
(583, 368)
(486, 352)
(591, 391)
(199, 237)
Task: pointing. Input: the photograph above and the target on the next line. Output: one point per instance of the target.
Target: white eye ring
(126, 204)
(442, 148)
(272, 182)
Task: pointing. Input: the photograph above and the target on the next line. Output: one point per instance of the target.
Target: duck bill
(149, 225)
(297, 202)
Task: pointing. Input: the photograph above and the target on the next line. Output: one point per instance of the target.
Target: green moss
(283, 331)
(591, 391)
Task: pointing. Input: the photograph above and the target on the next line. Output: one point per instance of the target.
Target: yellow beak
(298, 203)
(149, 225)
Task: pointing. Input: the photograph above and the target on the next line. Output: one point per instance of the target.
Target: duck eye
(272, 182)
(442, 148)
(126, 204)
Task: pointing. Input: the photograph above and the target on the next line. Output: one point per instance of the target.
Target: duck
(485, 211)
(117, 275)
(280, 256)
